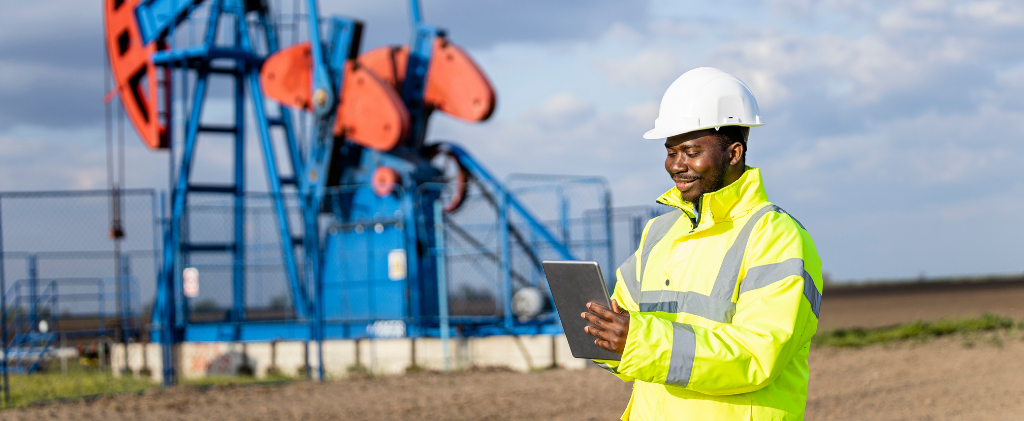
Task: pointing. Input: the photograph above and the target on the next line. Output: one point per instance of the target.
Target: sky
(893, 132)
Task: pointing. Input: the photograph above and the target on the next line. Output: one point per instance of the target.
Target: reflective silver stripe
(783, 211)
(762, 276)
(659, 227)
(628, 271)
(812, 294)
(725, 283)
(693, 303)
(607, 367)
(684, 348)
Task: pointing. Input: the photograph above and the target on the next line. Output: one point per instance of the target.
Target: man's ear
(736, 153)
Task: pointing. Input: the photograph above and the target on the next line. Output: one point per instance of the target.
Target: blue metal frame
(416, 226)
(158, 18)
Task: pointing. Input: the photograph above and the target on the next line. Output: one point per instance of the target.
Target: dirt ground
(973, 377)
(935, 380)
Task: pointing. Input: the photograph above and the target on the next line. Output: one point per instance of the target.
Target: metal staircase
(32, 325)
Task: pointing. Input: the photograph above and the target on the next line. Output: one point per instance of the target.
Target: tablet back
(573, 284)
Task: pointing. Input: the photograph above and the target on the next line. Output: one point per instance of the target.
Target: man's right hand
(610, 326)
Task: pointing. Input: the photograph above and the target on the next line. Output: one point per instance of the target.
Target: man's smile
(684, 183)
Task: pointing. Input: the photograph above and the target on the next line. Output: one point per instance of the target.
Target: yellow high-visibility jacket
(722, 309)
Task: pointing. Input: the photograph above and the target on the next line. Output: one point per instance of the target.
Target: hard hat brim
(657, 133)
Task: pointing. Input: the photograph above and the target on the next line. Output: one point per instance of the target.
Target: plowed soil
(967, 377)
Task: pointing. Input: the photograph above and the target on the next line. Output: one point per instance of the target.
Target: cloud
(51, 56)
(997, 13)
(481, 25)
(651, 69)
(32, 161)
(560, 111)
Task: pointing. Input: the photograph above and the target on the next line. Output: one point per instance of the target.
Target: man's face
(698, 163)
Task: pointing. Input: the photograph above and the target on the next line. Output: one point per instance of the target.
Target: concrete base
(341, 357)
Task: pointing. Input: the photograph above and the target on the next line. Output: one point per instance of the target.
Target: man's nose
(679, 164)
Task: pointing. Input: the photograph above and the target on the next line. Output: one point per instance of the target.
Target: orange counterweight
(455, 84)
(370, 113)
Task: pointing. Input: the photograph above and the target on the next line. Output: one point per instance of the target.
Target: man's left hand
(610, 326)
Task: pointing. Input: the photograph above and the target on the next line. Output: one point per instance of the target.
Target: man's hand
(610, 326)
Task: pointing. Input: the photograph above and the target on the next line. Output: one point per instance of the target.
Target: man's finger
(596, 321)
(616, 308)
(607, 345)
(597, 333)
(601, 310)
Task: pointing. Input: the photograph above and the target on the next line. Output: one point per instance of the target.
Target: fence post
(610, 269)
(33, 293)
(442, 282)
(506, 257)
(563, 213)
(64, 355)
(126, 305)
(3, 313)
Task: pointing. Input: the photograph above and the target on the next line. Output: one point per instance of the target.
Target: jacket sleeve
(777, 303)
(626, 302)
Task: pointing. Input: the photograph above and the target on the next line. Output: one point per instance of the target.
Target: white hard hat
(703, 98)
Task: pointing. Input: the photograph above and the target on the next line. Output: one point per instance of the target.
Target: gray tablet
(574, 284)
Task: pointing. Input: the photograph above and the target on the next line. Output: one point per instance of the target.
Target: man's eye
(692, 154)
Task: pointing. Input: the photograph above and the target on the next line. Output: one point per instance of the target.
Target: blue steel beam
(415, 13)
(322, 92)
(301, 298)
(157, 17)
(421, 47)
(204, 54)
(285, 119)
(238, 269)
(345, 38)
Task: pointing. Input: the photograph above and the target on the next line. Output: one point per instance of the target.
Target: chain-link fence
(57, 248)
(209, 244)
(63, 236)
(573, 210)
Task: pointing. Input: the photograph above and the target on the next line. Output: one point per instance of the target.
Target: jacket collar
(728, 203)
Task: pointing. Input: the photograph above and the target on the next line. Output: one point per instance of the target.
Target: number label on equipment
(387, 329)
(190, 282)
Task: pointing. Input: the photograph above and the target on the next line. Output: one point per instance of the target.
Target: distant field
(883, 305)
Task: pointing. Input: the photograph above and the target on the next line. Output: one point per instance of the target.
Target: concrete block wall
(140, 357)
(378, 356)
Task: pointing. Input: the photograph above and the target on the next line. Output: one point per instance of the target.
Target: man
(714, 313)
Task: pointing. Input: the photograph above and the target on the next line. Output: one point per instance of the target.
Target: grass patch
(84, 382)
(226, 380)
(858, 337)
(81, 382)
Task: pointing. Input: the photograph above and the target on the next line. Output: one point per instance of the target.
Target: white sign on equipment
(397, 269)
(190, 282)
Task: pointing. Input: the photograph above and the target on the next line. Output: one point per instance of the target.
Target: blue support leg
(238, 264)
(300, 297)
